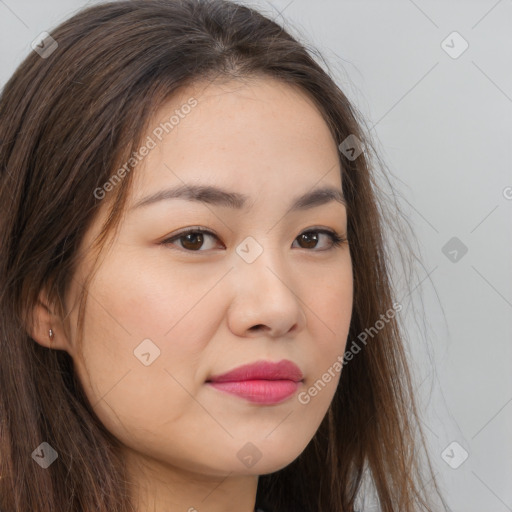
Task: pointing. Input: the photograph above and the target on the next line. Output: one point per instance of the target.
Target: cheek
(141, 346)
(144, 297)
(330, 311)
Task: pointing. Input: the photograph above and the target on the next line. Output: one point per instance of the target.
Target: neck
(159, 487)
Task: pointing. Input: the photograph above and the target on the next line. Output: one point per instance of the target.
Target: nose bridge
(264, 265)
(265, 288)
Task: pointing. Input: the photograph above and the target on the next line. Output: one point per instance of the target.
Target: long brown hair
(67, 122)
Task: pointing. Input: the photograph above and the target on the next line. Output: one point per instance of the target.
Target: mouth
(259, 391)
(263, 382)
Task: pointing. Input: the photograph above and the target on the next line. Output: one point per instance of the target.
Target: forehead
(251, 135)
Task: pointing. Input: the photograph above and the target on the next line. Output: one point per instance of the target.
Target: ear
(44, 319)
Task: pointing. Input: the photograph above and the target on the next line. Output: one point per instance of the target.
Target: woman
(159, 352)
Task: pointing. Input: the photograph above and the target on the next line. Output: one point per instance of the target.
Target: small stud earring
(50, 332)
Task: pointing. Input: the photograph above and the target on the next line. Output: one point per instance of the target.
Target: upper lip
(264, 370)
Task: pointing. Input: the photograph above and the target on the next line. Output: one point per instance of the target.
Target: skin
(210, 311)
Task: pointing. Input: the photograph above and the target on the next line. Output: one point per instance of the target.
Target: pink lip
(262, 382)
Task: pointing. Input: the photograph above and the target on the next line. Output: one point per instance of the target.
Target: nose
(265, 302)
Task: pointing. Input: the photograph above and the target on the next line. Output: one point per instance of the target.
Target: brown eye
(191, 240)
(310, 239)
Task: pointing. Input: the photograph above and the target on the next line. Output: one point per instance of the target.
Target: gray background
(443, 125)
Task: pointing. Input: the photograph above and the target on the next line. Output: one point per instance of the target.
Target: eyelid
(189, 229)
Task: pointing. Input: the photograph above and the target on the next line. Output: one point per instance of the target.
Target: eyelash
(336, 239)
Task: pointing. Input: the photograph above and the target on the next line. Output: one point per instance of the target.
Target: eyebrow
(221, 197)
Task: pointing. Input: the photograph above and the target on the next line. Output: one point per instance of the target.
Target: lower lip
(259, 391)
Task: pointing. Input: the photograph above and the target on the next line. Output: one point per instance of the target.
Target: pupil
(310, 238)
(190, 237)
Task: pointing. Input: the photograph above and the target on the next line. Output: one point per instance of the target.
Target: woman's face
(165, 312)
